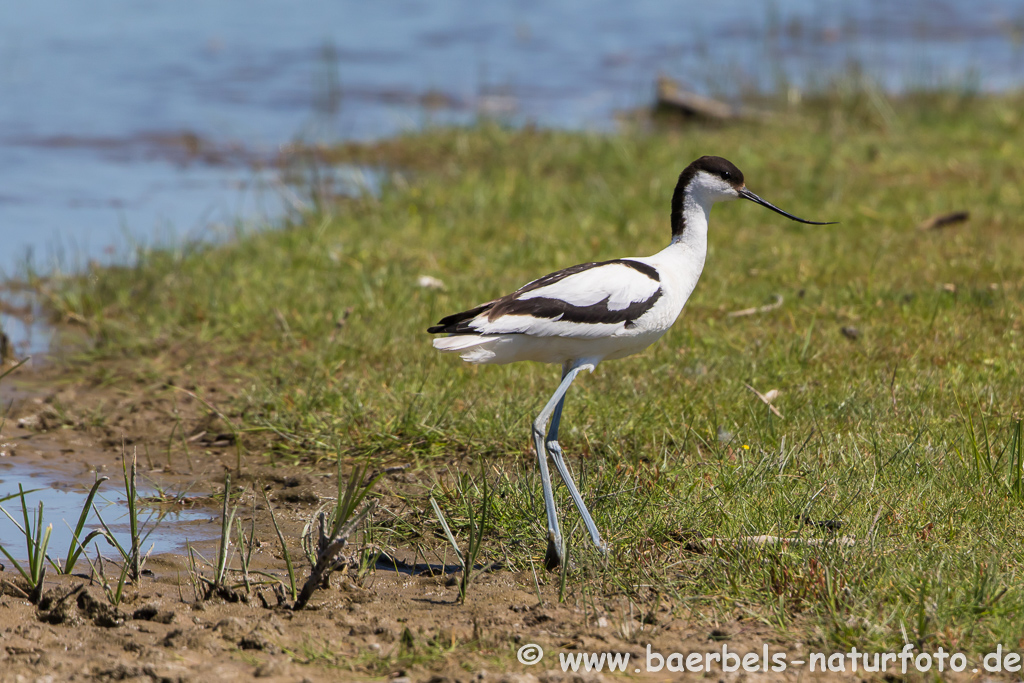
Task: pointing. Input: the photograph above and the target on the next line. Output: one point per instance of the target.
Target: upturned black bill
(747, 194)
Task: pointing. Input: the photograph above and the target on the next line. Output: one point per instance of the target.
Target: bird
(597, 311)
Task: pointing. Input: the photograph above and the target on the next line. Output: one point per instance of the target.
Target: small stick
(775, 540)
(758, 309)
(944, 219)
(766, 400)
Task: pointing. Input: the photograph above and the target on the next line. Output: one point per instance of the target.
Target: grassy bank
(896, 353)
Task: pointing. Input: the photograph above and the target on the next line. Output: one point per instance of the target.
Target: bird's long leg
(555, 450)
(553, 556)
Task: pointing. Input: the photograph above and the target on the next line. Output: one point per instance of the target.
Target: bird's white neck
(684, 256)
(694, 235)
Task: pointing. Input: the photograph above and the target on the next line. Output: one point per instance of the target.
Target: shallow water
(63, 501)
(125, 124)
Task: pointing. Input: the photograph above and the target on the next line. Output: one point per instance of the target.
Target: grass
(285, 553)
(77, 547)
(37, 539)
(904, 430)
(132, 556)
(326, 535)
(477, 523)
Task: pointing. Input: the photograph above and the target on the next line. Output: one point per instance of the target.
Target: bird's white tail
(472, 348)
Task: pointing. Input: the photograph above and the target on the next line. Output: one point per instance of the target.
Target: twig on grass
(704, 543)
(758, 309)
(767, 398)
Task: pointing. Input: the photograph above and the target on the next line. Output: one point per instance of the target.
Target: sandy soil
(357, 629)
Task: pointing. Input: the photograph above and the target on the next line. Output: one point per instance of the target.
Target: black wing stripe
(552, 278)
(595, 314)
(649, 271)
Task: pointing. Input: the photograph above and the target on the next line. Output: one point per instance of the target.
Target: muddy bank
(393, 626)
(378, 624)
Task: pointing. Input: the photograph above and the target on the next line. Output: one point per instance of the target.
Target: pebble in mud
(274, 668)
(28, 422)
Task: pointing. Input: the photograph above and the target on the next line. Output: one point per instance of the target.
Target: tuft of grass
(37, 539)
(227, 520)
(131, 556)
(114, 591)
(333, 531)
(1003, 466)
(220, 567)
(467, 558)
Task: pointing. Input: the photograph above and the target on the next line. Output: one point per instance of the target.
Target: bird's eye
(726, 175)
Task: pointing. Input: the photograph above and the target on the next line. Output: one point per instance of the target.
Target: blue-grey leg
(553, 556)
(555, 450)
(554, 406)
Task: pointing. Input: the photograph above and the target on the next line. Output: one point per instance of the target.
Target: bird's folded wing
(577, 302)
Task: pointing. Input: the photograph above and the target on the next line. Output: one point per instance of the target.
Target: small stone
(275, 668)
(29, 422)
(152, 612)
(257, 641)
(231, 629)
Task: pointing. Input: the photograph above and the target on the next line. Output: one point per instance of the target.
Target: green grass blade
(17, 565)
(14, 367)
(447, 531)
(12, 496)
(75, 548)
(284, 548)
(29, 540)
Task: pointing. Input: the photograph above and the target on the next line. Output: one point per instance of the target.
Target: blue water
(63, 501)
(99, 99)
